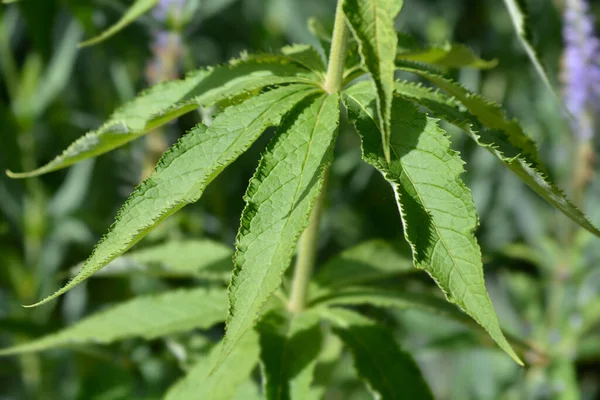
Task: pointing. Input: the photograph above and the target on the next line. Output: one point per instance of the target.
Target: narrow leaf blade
(306, 56)
(520, 19)
(499, 144)
(372, 22)
(203, 383)
(357, 296)
(290, 345)
(279, 199)
(147, 317)
(389, 371)
(201, 258)
(437, 209)
(373, 259)
(139, 7)
(186, 169)
(487, 112)
(169, 100)
(449, 56)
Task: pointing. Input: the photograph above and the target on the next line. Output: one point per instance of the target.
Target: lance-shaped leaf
(138, 8)
(487, 112)
(520, 19)
(203, 383)
(175, 259)
(372, 22)
(355, 296)
(389, 372)
(424, 302)
(497, 143)
(290, 346)
(186, 169)
(448, 55)
(169, 100)
(367, 261)
(437, 209)
(279, 200)
(147, 317)
(306, 56)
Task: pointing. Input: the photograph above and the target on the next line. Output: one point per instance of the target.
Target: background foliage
(541, 275)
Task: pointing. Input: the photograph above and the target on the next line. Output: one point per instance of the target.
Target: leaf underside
(186, 169)
(496, 142)
(388, 371)
(372, 22)
(203, 383)
(437, 209)
(167, 101)
(147, 317)
(290, 345)
(279, 199)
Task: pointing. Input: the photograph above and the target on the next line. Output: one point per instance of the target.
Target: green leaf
(59, 70)
(367, 261)
(138, 8)
(372, 22)
(167, 101)
(321, 33)
(378, 297)
(496, 142)
(186, 169)
(202, 382)
(437, 209)
(448, 55)
(306, 56)
(279, 200)
(520, 19)
(175, 259)
(290, 345)
(356, 296)
(147, 317)
(389, 371)
(487, 112)
(248, 391)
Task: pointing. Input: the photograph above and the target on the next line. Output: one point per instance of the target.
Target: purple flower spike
(581, 67)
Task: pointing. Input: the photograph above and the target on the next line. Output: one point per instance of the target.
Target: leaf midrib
(263, 277)
(440, 239)
(318, 117)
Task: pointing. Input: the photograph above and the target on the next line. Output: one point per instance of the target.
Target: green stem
(337, 55)
(307, 247)
(307, 254)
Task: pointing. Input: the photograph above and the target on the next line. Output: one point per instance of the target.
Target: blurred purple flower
(167, 45)
(581, 67)
(165, 8)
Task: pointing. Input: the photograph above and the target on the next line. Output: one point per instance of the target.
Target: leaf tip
(16, 175)
(46, 300)
(21, 175)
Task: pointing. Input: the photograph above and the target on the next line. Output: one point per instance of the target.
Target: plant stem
(307, 253)
(307, 247)
(337, 55)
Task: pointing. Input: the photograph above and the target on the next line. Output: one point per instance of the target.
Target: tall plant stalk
(308, 242)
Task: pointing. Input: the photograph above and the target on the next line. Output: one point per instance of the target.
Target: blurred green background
(542, 274)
